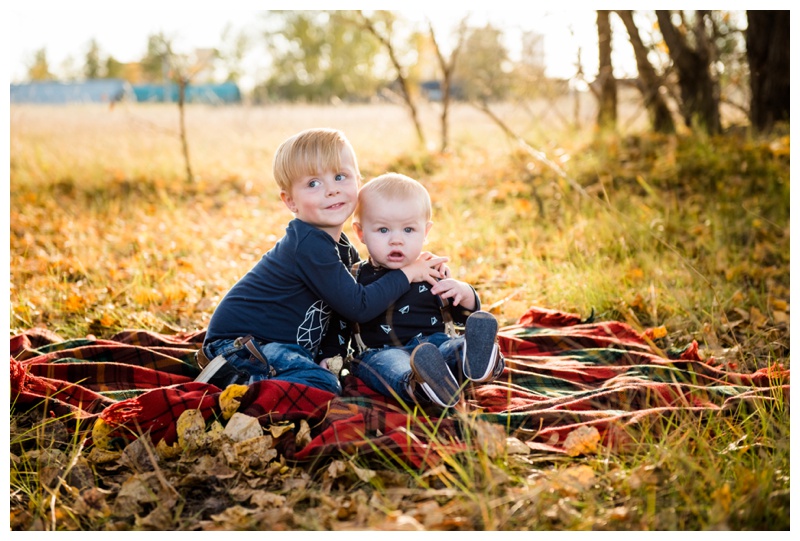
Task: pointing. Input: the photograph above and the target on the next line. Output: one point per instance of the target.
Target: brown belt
(247, 341)
(200, 357)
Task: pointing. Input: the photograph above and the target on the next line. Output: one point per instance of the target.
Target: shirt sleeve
(325, 274)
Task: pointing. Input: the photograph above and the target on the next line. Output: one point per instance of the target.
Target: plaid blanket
(561, 374)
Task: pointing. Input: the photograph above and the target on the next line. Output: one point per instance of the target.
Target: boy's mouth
(335, 206)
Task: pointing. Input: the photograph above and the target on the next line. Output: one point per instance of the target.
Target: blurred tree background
(690, 64)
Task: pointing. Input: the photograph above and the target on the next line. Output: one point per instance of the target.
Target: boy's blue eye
(313, 183)
(340, 177)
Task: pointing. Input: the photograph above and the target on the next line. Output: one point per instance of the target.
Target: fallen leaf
(279, 430)
(364, 474)
(757, 319)
(656, 332)
(303, 437)
(255, 453)
(101, 432)
(516, 447)
(780, 317)
(582, 441)
(168, 451)
(230, 399)
(242, 427)
(190, 428)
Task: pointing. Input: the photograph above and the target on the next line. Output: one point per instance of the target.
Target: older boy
(408, 355)
(271, 322)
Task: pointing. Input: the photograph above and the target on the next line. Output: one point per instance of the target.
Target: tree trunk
(698, 89)
(447, 78)
(649, 82)
(404, 86)
(184, 143)
(607, 111)
(767, 39)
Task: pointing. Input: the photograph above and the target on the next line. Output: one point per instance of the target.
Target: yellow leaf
(582, 440)
(190, 428)
(74, 303)
(757, 319)
(522, 206)
(723, 496)
(635, 274)
(100, 434)
(279, 430)
(656, 332)
(168, 451)
(230, 399)
(779, 304)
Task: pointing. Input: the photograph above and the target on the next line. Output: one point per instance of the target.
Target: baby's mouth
(396, 255)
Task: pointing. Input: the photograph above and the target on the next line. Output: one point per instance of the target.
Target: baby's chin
(391, 264)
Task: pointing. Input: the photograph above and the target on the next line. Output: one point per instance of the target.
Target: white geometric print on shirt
(311, 331)
(422, 288)
(434, 321)
(404, 309)
(386, 328)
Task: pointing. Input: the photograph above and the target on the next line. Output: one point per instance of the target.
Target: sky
(123, 33)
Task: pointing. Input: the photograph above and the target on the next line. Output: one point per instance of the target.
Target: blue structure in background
(93, 91)
(206, 93)
(114, 90)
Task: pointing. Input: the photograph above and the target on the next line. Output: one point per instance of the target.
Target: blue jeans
(287, 362)
(387, 370)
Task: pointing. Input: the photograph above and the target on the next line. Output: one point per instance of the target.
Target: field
(687, 233)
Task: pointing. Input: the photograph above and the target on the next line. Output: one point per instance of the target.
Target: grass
(688, 232)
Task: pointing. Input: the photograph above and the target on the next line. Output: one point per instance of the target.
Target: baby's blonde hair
(310, 152)
(392, 186)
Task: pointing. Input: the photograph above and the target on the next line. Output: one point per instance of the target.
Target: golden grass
(689, 233)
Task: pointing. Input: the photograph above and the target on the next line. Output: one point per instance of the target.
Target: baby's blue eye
(383, 230)
(409, 229)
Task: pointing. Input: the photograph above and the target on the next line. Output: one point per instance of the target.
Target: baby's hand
(459, 293)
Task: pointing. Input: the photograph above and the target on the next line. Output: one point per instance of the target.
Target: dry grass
(688, 233)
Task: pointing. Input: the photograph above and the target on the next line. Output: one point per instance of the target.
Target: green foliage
(319, 56)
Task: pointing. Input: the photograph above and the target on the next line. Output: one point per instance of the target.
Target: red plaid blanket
(561, 374)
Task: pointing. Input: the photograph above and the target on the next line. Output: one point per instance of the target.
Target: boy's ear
(428, 228)
(288, 201)
(359, 231)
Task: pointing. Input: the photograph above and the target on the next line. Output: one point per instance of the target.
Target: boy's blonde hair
(392, 186)
(309, 152)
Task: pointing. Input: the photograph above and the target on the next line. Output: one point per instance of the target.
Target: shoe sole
(480, 346)
(438, 381)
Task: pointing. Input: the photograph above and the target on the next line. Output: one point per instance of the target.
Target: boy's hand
(425, 268)
(443, 269)
(459, 293)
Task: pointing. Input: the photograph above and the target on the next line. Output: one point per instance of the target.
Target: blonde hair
(391, 186)
(309, 152)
